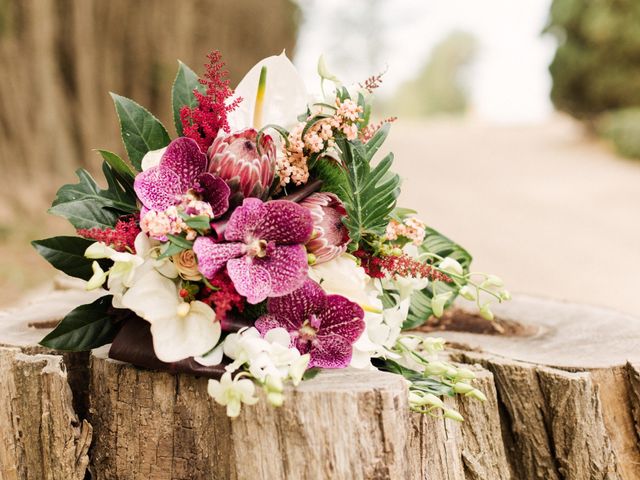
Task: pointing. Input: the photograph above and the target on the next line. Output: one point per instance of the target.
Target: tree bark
(540, 421)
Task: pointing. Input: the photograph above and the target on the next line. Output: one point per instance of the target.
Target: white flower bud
(461, 387)
(494, 281)
(465, 374)
(438, 302)
(451, 265)
(486, 313)
(477, 394)
(467, 292)
(504, 295)
(98, 278)
(453, 415)
(436, 368)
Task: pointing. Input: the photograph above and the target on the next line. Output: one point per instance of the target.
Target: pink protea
(330, 237)
(325, 326)
(247, 169)
(263, 249)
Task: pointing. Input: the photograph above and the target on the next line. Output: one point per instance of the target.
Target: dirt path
(552, 213)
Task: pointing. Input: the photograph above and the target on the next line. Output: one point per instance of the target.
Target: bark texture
(42, 437)
(541, 420)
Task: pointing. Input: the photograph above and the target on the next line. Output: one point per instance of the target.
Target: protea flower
(330, 237)
(248, 171)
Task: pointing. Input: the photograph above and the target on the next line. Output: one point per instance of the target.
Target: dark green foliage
(67, 255)
(86, 327)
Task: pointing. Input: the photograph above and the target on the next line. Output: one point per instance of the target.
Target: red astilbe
(224, 298)
(202, 122)
(395, 266)
(121, 237)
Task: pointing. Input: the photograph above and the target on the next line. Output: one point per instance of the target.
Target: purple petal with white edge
(213, 256)
(287, 266)
(156, 188)
(269, 322)
(184, 158)
(215, 192)
(341, 317)
(250, 280)
(331, 351)
(285, 222)
(298, 306)
(243, 220)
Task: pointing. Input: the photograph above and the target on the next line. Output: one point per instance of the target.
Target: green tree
(596, 67)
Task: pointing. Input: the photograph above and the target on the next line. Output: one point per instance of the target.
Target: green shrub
(597, 64)
(622, 128)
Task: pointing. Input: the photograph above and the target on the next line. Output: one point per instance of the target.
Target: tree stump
(544, 418)
(568, 386)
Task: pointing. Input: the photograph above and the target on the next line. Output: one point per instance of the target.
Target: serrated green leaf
(140, 130)
(182, 93)
(85, 327)
(86, 205)
(123, 172)
(372, 189)
(66, 254)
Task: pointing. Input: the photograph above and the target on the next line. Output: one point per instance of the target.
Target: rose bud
(330, 237)
(248, 170)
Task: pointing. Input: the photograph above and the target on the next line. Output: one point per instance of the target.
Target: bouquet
(261, 244)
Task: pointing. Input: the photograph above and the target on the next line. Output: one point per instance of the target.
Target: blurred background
(518, 132)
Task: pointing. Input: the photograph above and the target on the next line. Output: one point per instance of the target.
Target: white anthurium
(232, 393)
(152, 158)
(282, 98)
(179, 329)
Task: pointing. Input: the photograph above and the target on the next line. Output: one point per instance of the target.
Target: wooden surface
(542, 420)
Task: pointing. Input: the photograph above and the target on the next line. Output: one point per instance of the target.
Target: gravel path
(552, 213)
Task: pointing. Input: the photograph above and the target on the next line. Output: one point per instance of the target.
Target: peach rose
(187, 265)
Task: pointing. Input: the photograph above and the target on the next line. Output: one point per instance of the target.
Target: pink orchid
(325, 326)
(263, 249)
(182, 169)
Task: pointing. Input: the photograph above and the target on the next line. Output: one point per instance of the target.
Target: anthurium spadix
(272, 92)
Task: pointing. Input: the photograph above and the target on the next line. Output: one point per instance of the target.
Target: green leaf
(169, 249)
(373, 190)
(333, 176)
(182, 92)
(140, 130)
(85, 205)
(435, 242)
(180, 242)
(122, 171)
(200, 223)
(417, 379)
(66, 254)
(311, 373)
(86, 327)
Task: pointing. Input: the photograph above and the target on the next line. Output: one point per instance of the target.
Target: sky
(508, 81)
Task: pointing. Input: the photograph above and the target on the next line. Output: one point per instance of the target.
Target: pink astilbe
(121, 237)
(394, 266)
(203, 122)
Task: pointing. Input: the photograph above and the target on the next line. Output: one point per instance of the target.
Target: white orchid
(282, 98)
(451, 265)
(232, 392)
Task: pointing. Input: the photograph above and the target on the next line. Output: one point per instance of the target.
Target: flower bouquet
(261, 244)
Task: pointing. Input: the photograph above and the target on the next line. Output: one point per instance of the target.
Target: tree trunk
(542, 420)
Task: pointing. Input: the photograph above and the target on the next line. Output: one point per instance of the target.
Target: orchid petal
(333, 351)
(184, 158)
(250, 280)
(284, 222)
(341, 317)
(152, 158)
(212, 256)
(295, 308)
(215, 192)
(287, 268)
(157, 188)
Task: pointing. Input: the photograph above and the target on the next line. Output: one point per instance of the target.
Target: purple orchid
(182, 168)
(264, 249)
(325, 326)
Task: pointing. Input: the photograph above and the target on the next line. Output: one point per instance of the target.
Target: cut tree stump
(548, 415)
